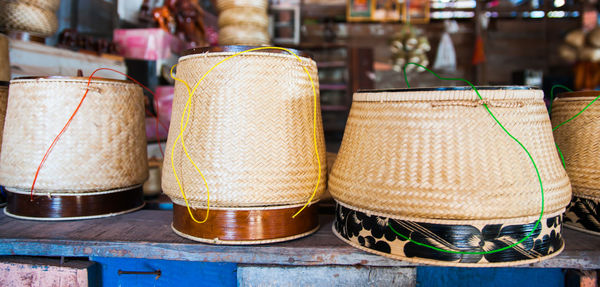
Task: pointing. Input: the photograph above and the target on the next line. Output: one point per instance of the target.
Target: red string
(154, 103)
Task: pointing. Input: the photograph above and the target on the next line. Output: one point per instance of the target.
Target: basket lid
(579, 94)
(240, 48)
(70, 78)
(460, 93)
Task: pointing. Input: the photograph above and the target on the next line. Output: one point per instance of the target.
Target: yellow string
(184, 127)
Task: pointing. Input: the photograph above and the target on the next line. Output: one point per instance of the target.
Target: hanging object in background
(29, 19)
(243, 22)
(583, 50)
(409, 46)
(183, 18)
(97, 167)
(4, 59)
(478, 52)
(251, 135)
(3, 100)
(432, 165)
(579, 142)
(445, 58)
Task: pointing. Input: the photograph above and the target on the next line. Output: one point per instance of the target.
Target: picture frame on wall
(388, 11)
(416, 11)
(359, 10)
(285, 24)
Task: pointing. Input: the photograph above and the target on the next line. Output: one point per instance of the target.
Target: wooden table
(147, 234)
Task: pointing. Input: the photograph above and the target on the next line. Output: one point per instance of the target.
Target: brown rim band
(579, 94)
(240, 48)
(85, 79)
(245, 225)
(26, 36)
(73, 206)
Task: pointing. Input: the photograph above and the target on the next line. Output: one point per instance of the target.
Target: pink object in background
(146, 44)
(164, 100)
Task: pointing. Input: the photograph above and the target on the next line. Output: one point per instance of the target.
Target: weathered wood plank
(249, 276)
(147, 234)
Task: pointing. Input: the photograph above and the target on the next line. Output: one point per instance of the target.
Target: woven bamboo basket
(244, 17)
(223, 5)
(251, 134)
(434, 166)
(579, 141)
(243, 35)
(98, 165)
(22, 17)
(4, 60)
(49, 5)
(3, 99)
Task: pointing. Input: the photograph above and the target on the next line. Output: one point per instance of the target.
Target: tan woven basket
(4, 59)
(49, 5)
(103, 148)
(243, 35)
(223, 5)
(15, 16)
(436, 157)
(251, 135)
(244, 17)
(579, 141)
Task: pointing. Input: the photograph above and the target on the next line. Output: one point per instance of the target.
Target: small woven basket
(251, 134)
(243, 35)
(16, 16)
(244, 17)
(101, 154)
(434, 166)
(579, 141)
(223, 5)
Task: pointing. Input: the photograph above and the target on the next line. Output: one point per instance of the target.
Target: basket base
(373, 234)
(74, 207)
(245, 226)
(582, 215)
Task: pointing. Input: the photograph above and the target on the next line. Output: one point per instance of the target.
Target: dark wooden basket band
(244, 225)
(73, 206)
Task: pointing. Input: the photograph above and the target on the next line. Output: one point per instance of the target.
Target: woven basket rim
(450, 88)
(67, 79)
(439, 94)
(579, 94)
(241, 48)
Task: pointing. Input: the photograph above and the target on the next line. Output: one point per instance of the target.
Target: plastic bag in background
(445, 59)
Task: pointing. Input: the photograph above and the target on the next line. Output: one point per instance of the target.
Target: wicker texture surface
(3, 100)
(245, 17)
(579, 141)
(4, 60)
(243, 22)
(439, 155)
(103, 148)
(223, 5)
(250, 131)
(16, 16)
(50, 5)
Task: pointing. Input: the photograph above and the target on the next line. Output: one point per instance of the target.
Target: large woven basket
(244, 17)
(17, 16)
(4, 60)
(579, 141)
(434, 166)
(243, 35)
(102, 153)
(251, 134)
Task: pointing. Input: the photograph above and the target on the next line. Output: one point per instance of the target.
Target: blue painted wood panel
(492, 277)
(174, 273)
